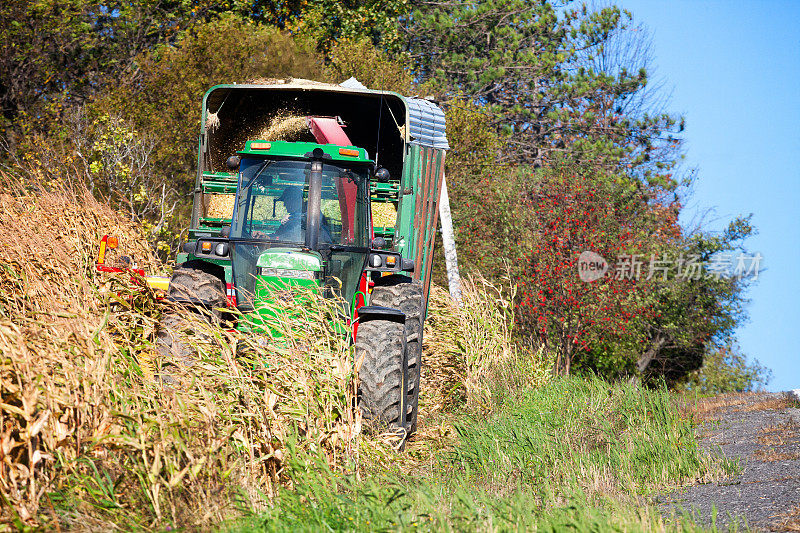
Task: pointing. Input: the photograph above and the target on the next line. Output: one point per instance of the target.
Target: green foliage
(281, 14)
(328, 21)
(488, 217)
(541, 220)
(323, 500)
(108, 156)
(574, 429)
(164, 99)
(724, 370)
(693, 316)
(475, 146)
(54, 54)
(371, 66)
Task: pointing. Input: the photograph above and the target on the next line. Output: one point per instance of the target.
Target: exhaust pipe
(314, 210)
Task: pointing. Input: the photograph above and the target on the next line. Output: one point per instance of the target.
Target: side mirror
(382, 175)
(233, 162)
(379, 243)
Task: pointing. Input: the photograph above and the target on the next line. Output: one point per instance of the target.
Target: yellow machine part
(157, 283)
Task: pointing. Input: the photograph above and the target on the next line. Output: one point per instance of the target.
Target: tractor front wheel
(199, 291)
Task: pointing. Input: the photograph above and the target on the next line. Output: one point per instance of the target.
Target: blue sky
(733, 69)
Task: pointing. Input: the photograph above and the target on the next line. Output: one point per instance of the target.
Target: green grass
(576, 454)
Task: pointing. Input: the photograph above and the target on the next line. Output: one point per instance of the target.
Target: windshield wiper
(261, 169)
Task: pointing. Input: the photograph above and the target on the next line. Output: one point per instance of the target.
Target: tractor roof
(299, 150)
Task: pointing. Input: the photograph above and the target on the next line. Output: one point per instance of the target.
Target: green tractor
(273, 214)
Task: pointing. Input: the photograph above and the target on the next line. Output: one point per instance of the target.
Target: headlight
(221, 249)
(288, 273)
(375, 261)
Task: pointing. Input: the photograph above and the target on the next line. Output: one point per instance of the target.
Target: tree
(572, 213)
(374, 68)
(482, 195)
(698, 303)
(574, 86)
(725, 369)
(55, 54)
(329, 21)
(571, 82)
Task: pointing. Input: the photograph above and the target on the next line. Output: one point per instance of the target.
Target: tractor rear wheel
(206, 293)
(405, 294)
(381, 349)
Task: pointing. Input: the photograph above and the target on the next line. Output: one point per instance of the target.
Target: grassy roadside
(573, 454)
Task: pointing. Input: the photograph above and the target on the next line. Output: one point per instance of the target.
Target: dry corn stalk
(51, 320)
(467, 346)
(78, 402)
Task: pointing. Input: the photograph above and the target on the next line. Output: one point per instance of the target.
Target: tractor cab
(301, 218)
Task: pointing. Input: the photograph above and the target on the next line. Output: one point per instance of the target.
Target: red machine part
(158, 284)
(111, 243)
(365, 286)
(328, 130)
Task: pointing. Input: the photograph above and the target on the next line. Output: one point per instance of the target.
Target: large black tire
(207, 294)
(405, 294)
(198, 287)
(381, 348)
(174, 346)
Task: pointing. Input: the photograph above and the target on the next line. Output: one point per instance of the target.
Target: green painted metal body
(417, 211)
(272, 287)
(300, 149)
(376, 120)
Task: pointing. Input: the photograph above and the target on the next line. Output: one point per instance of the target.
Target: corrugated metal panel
(426, 124)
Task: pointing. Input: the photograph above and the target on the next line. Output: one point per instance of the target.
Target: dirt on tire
(191, 284)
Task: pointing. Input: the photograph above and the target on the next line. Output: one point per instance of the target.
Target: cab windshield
(272, 203)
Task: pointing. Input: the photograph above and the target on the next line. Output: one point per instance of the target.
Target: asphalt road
(762, 431)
